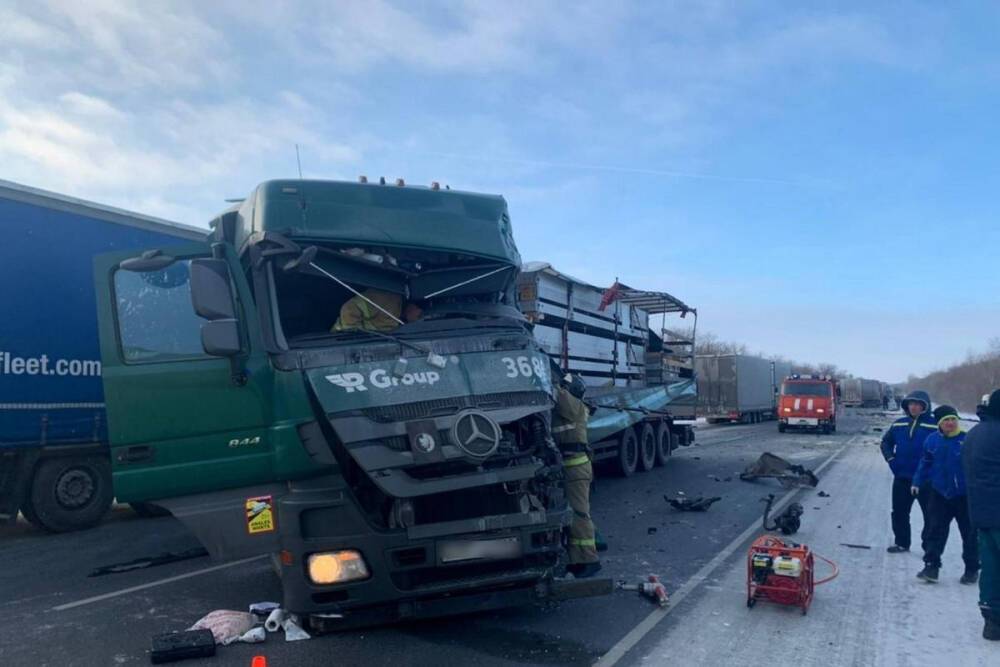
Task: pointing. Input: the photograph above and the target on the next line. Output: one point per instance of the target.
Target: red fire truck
(808, 401)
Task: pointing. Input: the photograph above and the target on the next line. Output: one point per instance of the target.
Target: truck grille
(448, 406)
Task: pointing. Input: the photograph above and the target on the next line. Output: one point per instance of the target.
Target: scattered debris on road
(855, 546)
(788, 474)
(823, 494)
(788, 522)
(282, 620)
(699, 504)
(149, 561)
(173, 646)
(652, 588)
(229, 627)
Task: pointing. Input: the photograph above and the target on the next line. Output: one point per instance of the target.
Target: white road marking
(153, 584)
(646, 625)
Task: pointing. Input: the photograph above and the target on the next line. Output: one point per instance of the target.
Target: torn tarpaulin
(789, 474)
(698, 504)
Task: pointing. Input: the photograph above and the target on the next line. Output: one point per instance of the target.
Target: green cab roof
(369, 214)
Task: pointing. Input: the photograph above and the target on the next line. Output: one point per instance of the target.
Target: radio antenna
(298, 160)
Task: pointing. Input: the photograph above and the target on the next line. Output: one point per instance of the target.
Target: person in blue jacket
(902, 447)
(941, 467)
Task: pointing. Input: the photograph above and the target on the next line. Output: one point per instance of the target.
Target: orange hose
(836, 570)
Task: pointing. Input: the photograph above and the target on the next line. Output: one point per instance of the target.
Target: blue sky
(819, 179)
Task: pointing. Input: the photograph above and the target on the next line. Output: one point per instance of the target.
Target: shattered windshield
(353, 293)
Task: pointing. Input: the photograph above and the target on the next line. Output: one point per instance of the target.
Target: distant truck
(641, 382)
(54, 462)
(861, 393)
(738, 387)
(807, 402)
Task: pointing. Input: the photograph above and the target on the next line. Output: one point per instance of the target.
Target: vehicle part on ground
(788, 522)
(652, 588)
(698, 504)
(788, 474)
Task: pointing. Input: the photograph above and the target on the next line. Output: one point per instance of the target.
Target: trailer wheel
(664, 443)
(71, 493)
(628, 453)
(647, 447)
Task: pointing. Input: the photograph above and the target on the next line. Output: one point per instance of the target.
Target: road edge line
(153, 584)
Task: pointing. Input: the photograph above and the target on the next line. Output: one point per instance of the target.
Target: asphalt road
(53, 614)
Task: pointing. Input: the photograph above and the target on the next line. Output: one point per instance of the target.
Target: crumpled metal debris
(699, 504)
(788, 474)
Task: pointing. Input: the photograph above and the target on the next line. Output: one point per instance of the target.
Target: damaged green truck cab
(396, 474)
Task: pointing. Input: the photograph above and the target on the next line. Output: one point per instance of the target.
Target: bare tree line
(963, 385)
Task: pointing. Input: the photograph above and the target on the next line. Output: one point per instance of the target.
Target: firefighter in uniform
(359, 313)
(569, 428)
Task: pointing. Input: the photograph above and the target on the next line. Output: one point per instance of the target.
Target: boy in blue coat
(941, 466)
(902, 447)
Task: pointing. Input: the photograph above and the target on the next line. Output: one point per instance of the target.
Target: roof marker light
(362, 179)
(435, 185)
(381, 180)
(400, 182)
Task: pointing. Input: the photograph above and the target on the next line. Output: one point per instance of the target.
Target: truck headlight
(788, 409)
(336, 567)
(820, 410)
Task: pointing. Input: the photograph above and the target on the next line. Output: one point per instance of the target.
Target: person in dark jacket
(941, 469)
(902, 448)
(981, 460)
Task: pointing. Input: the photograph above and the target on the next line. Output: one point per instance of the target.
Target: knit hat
(945, 412)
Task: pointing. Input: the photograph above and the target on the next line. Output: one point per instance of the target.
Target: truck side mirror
(221, 338)
(211, 294)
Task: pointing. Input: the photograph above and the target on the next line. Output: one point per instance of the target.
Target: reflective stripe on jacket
(903, 443)
(569, 419)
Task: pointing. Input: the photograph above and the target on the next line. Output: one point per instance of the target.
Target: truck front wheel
(70, 493)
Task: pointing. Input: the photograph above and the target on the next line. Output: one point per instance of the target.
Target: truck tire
(71, 492)
(664, 443)
(628, 453)
(647, 446)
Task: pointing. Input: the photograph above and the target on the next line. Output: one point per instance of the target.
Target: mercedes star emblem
(476, 434)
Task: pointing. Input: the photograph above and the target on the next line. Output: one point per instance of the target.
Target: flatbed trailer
(640, 381)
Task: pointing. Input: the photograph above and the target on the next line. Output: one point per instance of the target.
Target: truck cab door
(184, 371)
